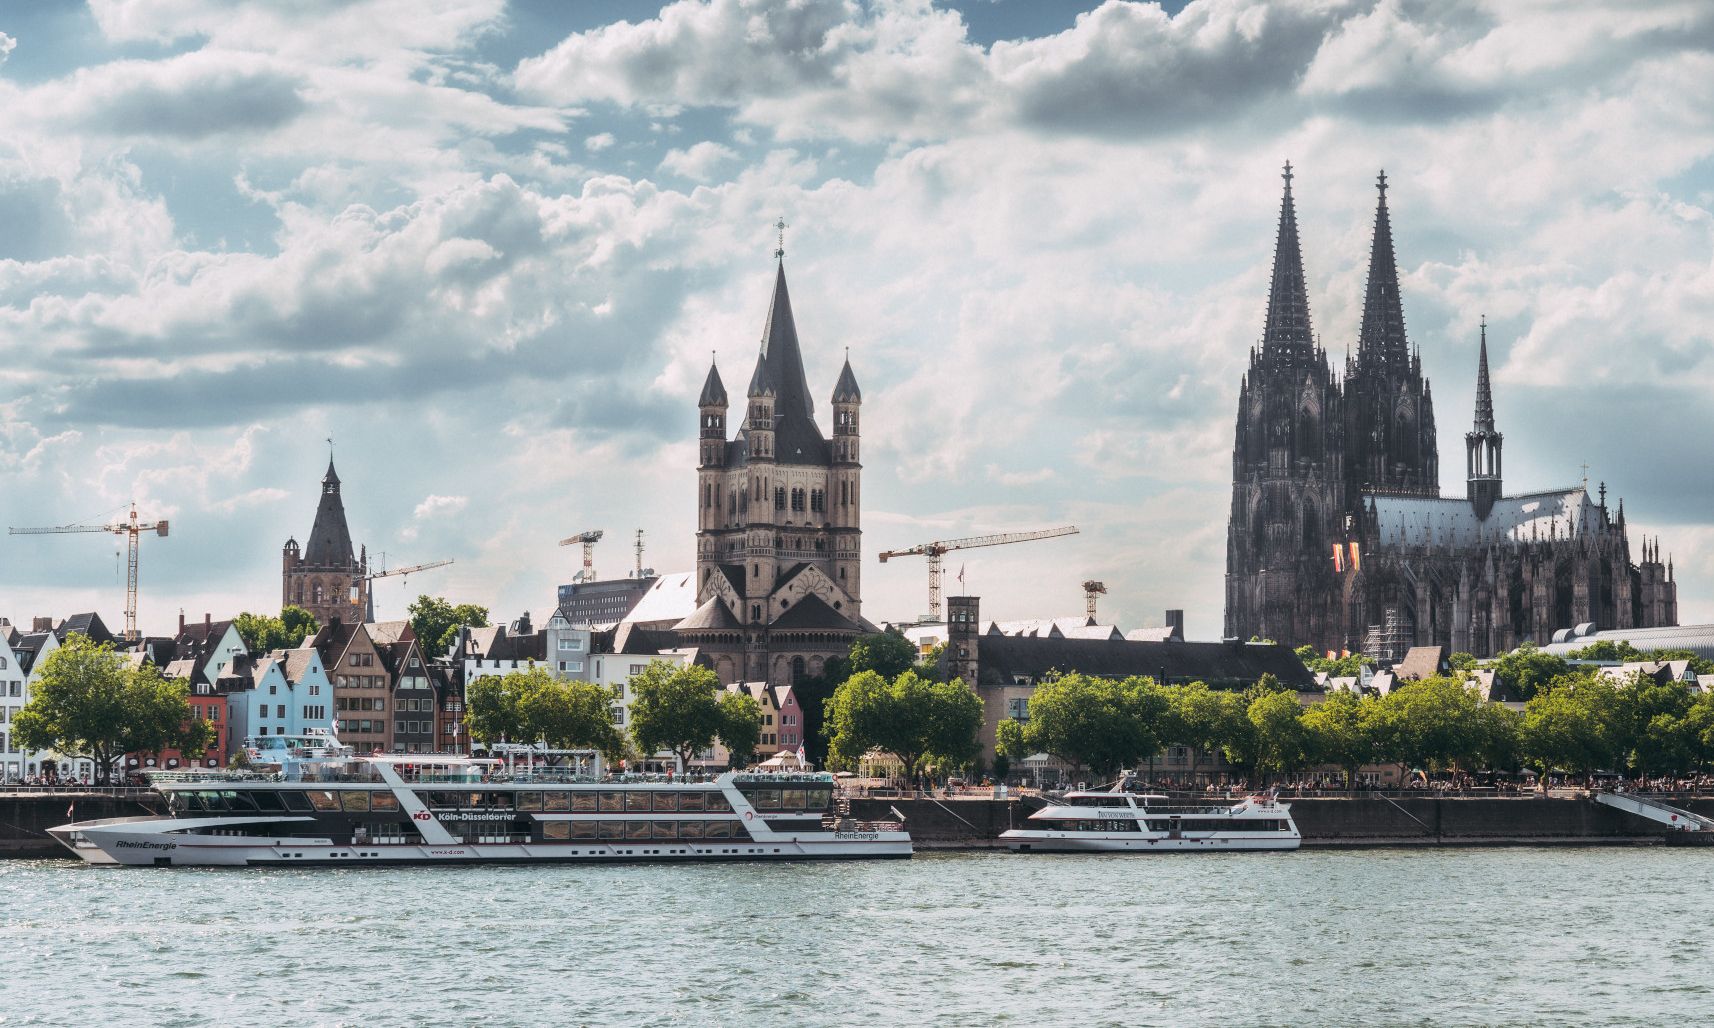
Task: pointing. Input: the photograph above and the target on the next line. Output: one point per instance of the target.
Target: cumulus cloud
(699, 162)
(188, 97)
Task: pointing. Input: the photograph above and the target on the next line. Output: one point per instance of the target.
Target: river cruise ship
(1126, 822)
(313, 808)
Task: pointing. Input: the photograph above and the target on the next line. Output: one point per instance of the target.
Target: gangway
(1655, 810)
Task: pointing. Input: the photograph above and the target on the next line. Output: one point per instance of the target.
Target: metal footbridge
(1673, 817)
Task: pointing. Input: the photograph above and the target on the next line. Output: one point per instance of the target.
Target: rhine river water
(1470, 936)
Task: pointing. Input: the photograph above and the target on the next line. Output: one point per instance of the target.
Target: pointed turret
(1383, 334)
(1287, 334)
(713, 390)
(711, 406)
(329, 539)
(1484, 393)
(845, 390)
(780, 378)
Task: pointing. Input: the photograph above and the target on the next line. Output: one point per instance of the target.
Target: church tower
(327, 579)
(1287, 467)
(1482, 443)
(1388, 404)
(779, 530)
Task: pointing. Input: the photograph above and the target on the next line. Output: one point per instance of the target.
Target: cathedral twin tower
(1339, 537)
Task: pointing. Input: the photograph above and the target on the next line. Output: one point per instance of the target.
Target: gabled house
(362, 685)
(15, 762)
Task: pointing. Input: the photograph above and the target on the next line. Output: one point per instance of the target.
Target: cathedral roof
(713, 390)
(1382, 337)
(813, 614)
(1287, 333)
(1452, 521)
(330, 539)
(712, 616)
(779, 370)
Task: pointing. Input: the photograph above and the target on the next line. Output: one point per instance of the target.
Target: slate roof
(387, 632)
(329, 539)
(294, 663)
(845, 390)
(28, 647)
(89, 624)
(670, 600)
(779, 371)
(712, 616)
(1421, 662)
(633, 638)
(812, 614)
(713, 390)
(1452, 521)
(1004, 658)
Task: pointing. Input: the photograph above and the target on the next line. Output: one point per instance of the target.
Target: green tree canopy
(1341, 731)
(530, 706)
(1102, 724)
(1282, 743)
(911, 717)
(675, 708)
(1203, 718)
(1348, 666)
(1438, 723)
(740, 728)
(1527, 669)
(264, 632)
(1572, 724)
(888, 654)
(87, 703)
(436, 622)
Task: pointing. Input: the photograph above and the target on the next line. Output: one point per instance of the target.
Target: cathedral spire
(1484, 395)
(1287, 333)
(1383, 334)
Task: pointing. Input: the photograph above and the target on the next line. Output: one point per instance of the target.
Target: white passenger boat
(1117, 820)
(314, 807)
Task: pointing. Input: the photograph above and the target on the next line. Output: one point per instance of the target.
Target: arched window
(780, 497)
(799, 670)
(316, 593)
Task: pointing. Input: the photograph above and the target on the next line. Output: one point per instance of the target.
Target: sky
(490, 248)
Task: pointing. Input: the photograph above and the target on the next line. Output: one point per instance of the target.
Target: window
(1018, 708)
(572, 645)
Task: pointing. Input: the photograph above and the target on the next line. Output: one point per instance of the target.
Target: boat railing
(307, 776)
(775, 777)
(845, 824)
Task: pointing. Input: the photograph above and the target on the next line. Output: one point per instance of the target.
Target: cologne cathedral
(1339, 537)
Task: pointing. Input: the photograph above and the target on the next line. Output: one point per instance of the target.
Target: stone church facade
(779, 519)
(1339, 537)
(326, 577)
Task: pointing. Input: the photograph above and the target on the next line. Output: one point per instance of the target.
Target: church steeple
(1287, 334)
(1383, 334)
(1482, 444)
(780, 377)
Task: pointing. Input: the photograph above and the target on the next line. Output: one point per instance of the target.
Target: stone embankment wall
(963, 824)
(26, 817)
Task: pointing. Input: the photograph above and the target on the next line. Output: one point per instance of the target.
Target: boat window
(793, 799)
(441, 800)
(215, 802)
(498, 800)
(354, 801)
(690, 801)
(556, 829)
(384, 800)
(582, 829)
(765, 799)
(717, 830)
(610, 801)
(818, 799)
(324, 799)
(558, 802)
(666, 829)
(529, 800)
(636, 830)
(267, 801)
(239, 802)
(690, 829)
(717, 803)
(296, 801)
(666, 801)
(637, 801)
(610, 829)
(190, 801)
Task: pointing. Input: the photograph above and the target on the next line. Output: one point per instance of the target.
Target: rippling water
(1516, 936)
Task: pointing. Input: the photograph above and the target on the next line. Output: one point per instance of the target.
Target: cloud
(7, 45)
(599, 142)
(698, 162)
(189, 97)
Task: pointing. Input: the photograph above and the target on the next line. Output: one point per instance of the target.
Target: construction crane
(588, 540)
(935, 550)
(1092, 589)
(133, 528)
(369, 579)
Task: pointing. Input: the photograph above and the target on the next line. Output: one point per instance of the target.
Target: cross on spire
(780, 250)
(1382, 182)
(1287, 176)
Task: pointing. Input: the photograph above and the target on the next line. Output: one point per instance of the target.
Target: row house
(283, 692)
(362, 685)
(782, 720)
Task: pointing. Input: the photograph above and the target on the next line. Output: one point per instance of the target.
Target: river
(1465, 936)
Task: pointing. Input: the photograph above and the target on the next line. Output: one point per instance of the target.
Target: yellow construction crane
(588, 541)
(1092, 589)
(369, 615)
(131, 528)
(935, 550)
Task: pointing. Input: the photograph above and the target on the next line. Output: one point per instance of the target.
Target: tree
(88, 704)
(1281, 742)
(812, 696)
(493, 709)
(1099, 723)
(1659, 737)
(888, 654)
(1568, 726)
(1202, 718)
(1439, 723)
(436, 622)
(675, 708)
(1526, 669)
(566, 715)
(910, 717)
(1462, 661)
(740, 728)
(264, 632)
(1341, 732)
